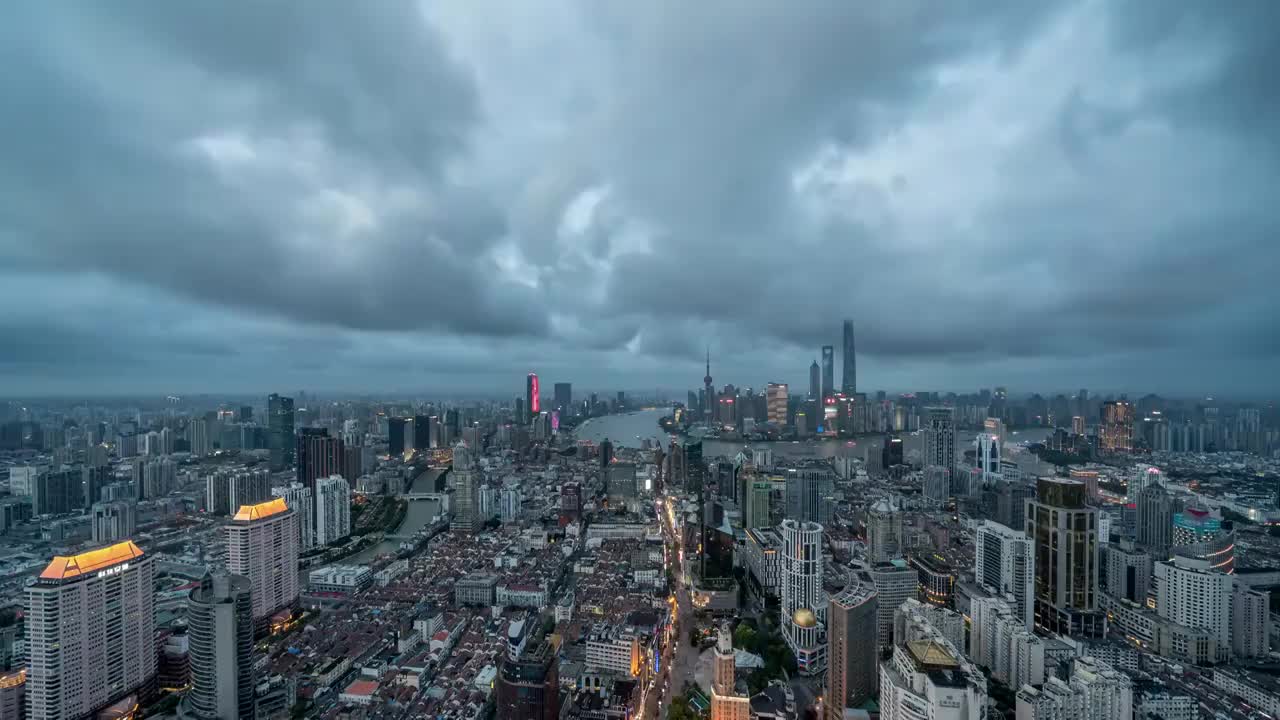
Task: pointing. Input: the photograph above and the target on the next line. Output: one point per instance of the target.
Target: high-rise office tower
(319, 456)
(262, 545)
(1064, 530)
(396, 440)
(940, 441)
(849, 383)
(1128, 572)
(1077, 425)
(1116, 431)
(1191, 593)
(803, 604)
(220, 631)
(1141, 480)
(987, 446)
(280, 431)
(805, 490)
(333, 509)
(564, 397)
(892, 454)
(828, 372)
(466, 500)
(114, 522)
(57, 492)
(1004, 561)
(529, 684)
(776, 400)
(815, 382)
(1155, 512)
(896, 582)
(531, 400)
(852, 661)
(937, 485)
(90, 622)
(756, 503)
(299, 498)
(884, 531)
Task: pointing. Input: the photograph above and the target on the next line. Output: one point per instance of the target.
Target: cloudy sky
(385, 196)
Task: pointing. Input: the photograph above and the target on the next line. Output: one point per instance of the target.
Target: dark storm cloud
(355, 193)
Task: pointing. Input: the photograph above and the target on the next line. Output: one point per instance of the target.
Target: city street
(679, 658)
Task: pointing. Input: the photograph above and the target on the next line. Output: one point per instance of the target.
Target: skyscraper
(1116, 431)
(828, 372)
(1190, 593)
(318, 456)
(815, 382)
(466, 500)
(114, 521)
(940, 442)
(884, 531)
(280, 431)
(1064, 530)
(531, 399)
(333, 509)
(1128, 572)
(776, 401)
(529, 684)
(564, 398)
(396, 440)
(301, 500)
(1155, 512)
(262, 545)
(802, 600)
(1004, 561)
(849, 384)
(852, 661)
(90, 622)
(220, 631)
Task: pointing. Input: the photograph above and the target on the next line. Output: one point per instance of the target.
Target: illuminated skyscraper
(828, 371)
(1116, 432)
(849, 384)
(776, 399)
(1064, 530)
(262, 545)
(90, 624)
(280, 431)
(531, 401)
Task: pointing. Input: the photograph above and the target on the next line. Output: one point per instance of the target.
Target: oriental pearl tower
(710, 392)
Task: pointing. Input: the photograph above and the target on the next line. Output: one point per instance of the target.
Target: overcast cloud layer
(385, 196)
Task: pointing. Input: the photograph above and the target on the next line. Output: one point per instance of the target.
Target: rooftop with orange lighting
(74, 566)
(261, 511)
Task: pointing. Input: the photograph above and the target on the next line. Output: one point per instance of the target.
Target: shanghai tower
(850, 382)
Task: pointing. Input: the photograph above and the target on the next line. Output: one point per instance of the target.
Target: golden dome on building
(804, 617)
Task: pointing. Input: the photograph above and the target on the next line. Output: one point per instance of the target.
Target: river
(630, 429)
(416, 517)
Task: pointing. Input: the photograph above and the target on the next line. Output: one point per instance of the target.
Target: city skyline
(978, 206)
